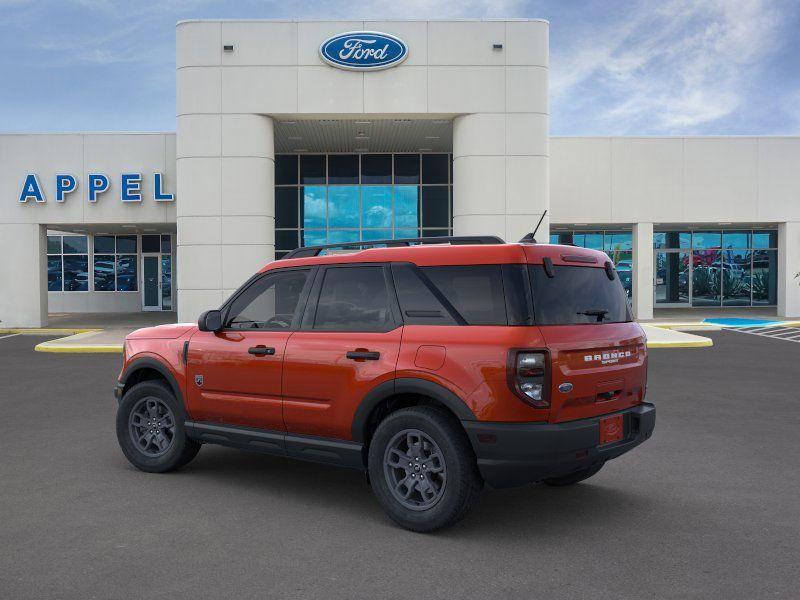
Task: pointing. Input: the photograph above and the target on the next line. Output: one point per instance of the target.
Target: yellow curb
(704, 343)
(46, 331)
(696, 326)
(99, 348)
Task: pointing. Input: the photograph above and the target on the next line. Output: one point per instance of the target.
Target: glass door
(151, 282)
(672, 279)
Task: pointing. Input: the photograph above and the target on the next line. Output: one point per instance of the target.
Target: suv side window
(268, 303)
(476, 291)
(354, 299)
(419, 304)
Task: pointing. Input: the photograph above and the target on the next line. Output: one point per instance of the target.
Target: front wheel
(423, 469)
(150, 429)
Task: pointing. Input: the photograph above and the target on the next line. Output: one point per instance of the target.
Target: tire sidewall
(460, 472)
(174, 456)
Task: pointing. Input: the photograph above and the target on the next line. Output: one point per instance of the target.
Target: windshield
(577, 295)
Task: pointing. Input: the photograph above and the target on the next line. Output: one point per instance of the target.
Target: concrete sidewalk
(665, 337)
(94, 333)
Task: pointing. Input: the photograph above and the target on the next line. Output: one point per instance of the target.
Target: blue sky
(617, 67)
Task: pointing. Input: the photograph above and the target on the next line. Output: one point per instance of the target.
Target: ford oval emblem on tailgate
(565, 388)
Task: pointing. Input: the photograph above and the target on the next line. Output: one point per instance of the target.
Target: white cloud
(669, 69)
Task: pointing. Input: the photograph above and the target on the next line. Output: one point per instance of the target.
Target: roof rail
(308, 251)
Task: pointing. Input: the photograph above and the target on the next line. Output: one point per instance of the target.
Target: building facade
(298, 133)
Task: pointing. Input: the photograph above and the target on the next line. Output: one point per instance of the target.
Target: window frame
(117, 255)
(254, 280)
(300, 239)
(89, 263)
(310, 312)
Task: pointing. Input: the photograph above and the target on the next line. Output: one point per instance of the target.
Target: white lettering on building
(354, 48)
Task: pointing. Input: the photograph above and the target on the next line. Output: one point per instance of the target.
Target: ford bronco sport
(434, 365)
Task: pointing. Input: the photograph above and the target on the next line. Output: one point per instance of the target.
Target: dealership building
(302, 133)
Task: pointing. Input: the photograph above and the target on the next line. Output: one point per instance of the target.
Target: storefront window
(765, 277)
(67, 263)
(707, 239)
(672, 278)
(116, 271)
(340, 198)
(672, 239)
(719, 268)
(706, 277)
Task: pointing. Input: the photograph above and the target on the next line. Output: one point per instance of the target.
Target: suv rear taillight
(527, 376)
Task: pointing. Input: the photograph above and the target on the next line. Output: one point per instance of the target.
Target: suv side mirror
(211, 320)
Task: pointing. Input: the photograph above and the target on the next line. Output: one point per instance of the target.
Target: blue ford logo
(565, 388)
(363, 50)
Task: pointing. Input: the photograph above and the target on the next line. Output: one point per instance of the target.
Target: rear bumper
(527, 452)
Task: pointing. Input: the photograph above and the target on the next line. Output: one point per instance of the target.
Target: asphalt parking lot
(708, 508)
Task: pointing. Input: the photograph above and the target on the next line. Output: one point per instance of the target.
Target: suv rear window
(577, 295)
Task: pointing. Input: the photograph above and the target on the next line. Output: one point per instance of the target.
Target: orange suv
(434, 365)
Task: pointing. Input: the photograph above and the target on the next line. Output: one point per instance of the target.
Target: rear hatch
(597, 352)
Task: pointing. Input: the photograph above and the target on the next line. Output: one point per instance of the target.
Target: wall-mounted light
(228, 47)
(497, 46)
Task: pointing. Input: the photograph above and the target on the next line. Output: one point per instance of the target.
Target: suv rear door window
(577, 295)
(354, 299)
(268, 303)
(476, 291)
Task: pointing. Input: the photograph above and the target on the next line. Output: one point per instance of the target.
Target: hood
(162, 332)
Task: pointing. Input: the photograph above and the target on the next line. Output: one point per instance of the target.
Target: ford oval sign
(363, 51)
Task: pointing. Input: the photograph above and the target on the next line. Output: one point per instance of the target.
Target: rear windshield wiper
(599, 313)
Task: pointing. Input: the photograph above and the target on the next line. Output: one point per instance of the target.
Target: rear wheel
(422, 469)
(575, 477)
(150, 429)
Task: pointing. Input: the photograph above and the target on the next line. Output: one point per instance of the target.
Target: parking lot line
(2, 337)
(789, 334)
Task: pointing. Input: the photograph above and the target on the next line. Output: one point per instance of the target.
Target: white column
(643, 271)
(23, 301)
(226, 223)
(788, 268)
(500, 174)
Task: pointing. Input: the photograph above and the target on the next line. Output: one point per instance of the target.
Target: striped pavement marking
(777, 332)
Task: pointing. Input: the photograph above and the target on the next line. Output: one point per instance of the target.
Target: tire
(168, 448)
(453, 483)
(575, 477)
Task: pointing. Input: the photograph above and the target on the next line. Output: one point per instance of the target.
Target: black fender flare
(406, 385)
(148, 362)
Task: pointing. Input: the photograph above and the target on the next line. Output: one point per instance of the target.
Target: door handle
(261, 351)
(363, 355)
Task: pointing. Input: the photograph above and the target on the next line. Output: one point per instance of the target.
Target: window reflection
(672, 278)
(104, 272)
(736, 278)
(706, 277)
(765, 277)
(313, 206)
(741, 274)
(76, 273)
(54, 278)
(126, 273)
(343, 206)
(405, 206)
(376, 206)
(318, 199)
